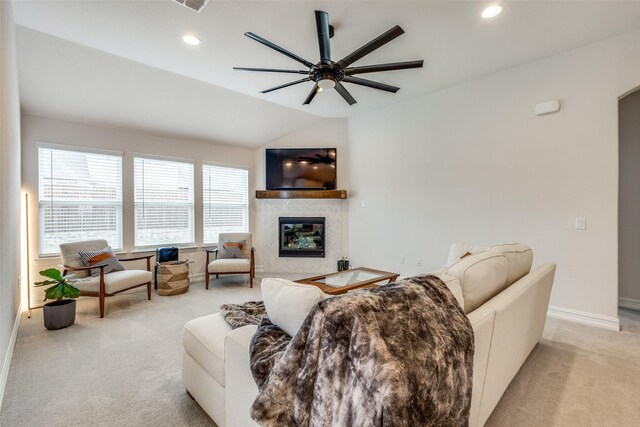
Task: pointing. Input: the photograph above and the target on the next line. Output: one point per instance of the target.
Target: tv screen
(301, 168)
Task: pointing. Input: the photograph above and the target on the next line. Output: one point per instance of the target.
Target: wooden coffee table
(345, 281)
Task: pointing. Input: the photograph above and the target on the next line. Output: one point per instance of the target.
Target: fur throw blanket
(396, 355)
(249, 313)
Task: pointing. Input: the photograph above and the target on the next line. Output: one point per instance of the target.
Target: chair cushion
(238, 237)
(519, 257)
(231, 249)
(230, 266)
(71, 257)
(288, 303)
(114, 282)
(105, 256)
(203, 338)
(482, 276)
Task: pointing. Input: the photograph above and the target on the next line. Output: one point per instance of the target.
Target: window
(80, 196)
(163, 202)
(225, 201)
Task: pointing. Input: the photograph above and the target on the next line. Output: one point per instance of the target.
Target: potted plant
(60, 313)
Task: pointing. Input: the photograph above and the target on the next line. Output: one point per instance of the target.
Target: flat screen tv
(301, 168)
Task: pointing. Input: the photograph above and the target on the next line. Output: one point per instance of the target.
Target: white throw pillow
(457, 250)
(288, 303)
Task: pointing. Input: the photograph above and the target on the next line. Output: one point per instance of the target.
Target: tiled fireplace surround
(268, 212)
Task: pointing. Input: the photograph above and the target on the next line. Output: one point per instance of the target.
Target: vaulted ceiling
(124, 63)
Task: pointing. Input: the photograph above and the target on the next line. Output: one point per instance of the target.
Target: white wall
(9, 189)
(330, 133)
(629, 203)
(38, 129)
(472, 163)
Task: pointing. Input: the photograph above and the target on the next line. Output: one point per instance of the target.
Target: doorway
(629, 201)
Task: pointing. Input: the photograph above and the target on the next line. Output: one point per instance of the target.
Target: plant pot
(59, 314)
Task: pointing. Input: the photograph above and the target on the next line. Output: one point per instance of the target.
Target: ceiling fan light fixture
(326, 84)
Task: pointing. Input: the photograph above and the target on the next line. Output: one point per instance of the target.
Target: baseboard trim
(195, 277)
(7, 359)
(631, 303)
(591, 319)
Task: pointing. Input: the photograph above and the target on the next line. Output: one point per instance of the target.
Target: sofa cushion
(288, 303)
(519, 258)
(459, 250)
(453, 283)
(482, 276)
(114, 282)
(230, 266)
(203, 338)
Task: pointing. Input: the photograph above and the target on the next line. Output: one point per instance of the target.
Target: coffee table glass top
(349, 277)
(344, 281)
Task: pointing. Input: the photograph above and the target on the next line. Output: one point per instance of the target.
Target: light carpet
(125, 369)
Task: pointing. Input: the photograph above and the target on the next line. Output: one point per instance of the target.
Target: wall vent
(196, 5)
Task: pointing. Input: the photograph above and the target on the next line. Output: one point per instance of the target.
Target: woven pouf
(173, 278)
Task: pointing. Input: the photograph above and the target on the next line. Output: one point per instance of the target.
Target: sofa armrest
(241, 388)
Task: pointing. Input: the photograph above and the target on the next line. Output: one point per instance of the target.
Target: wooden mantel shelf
(301, 194)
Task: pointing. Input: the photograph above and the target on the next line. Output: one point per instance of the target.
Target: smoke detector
(195, 5)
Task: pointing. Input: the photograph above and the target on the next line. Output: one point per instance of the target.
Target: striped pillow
(105, 256)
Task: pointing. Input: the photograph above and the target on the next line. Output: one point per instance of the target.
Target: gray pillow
(230, 250)
(105, 256)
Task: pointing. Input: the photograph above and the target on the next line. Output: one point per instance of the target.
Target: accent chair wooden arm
(70, 268)
(211, 251)
(147, 257)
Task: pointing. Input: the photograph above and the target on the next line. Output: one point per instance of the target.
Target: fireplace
(301, 237)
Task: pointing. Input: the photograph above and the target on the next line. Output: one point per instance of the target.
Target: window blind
(80, 198)
(225, 201)
(163, 202)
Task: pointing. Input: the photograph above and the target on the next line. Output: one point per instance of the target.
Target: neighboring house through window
(80, 197)
(225, 201)
(163, 202)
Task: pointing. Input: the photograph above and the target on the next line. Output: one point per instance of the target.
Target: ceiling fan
(328, 74)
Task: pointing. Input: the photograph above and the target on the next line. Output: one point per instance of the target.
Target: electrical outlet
(401, 259)
(363, 203)
(419, 262)
(581, 223)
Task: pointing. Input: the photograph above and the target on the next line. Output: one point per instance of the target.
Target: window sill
(153, 249)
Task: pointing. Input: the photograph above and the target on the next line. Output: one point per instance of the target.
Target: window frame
(224, 165)
(79, 149)
(146, 248)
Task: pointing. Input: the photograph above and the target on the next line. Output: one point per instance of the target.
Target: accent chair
(104, 284)
(244, 265)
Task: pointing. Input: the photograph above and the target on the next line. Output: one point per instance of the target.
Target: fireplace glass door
(302, 237)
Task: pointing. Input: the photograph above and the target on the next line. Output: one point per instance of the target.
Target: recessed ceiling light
(491, 11)
(191, 40)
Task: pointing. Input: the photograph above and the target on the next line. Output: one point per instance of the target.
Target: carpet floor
(125, 369)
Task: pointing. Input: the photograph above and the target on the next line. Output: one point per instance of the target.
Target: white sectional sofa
(505, 302)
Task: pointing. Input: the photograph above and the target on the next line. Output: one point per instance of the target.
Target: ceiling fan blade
(311, 95)
(371, 46)
(286, 85)
(384, 67)
(345, 93)
(322, 25)
(279, 49)
(271, 70)
(370, 83)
